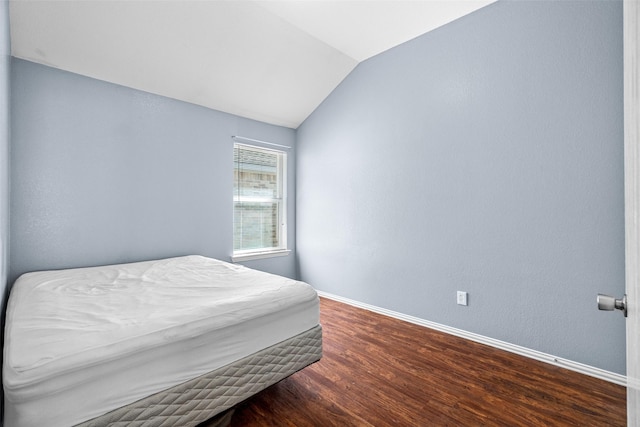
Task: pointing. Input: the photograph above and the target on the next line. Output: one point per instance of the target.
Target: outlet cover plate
(462, 298)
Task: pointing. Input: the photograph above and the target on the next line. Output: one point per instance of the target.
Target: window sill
(259, 255)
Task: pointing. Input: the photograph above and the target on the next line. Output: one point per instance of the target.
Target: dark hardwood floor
(379, 371)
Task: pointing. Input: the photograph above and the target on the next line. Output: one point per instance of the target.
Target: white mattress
(82, 342)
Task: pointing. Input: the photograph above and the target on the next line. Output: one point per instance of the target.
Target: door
(632, 203)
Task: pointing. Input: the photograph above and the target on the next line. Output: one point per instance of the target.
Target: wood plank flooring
(379, 371)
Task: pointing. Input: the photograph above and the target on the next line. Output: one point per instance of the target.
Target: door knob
(609, 303)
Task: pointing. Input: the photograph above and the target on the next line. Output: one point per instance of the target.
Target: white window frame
(281, 249)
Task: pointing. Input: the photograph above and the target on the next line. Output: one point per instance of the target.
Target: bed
(170, 342)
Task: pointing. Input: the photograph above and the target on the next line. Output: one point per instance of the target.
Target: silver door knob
(609, 303)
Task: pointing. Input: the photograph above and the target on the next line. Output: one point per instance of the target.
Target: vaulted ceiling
(273, 61)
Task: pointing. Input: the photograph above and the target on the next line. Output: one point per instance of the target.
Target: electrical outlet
(462, 298)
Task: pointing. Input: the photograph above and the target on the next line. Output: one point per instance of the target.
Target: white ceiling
(273, 61)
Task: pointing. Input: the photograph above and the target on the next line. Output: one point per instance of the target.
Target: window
(259, 202)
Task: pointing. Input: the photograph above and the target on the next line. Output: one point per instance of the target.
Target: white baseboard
(502, 345)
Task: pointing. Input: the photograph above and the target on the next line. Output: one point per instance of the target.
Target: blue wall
(105, 174)
(5, 136)
(485, 156)
(5, 61)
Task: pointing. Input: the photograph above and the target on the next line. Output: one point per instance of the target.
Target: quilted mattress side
(197, 400)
